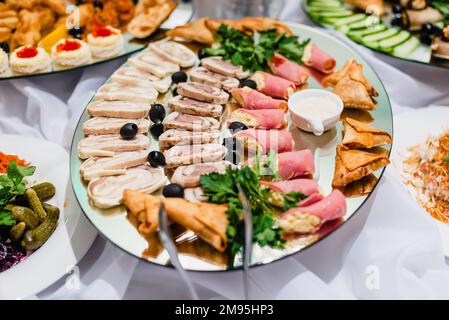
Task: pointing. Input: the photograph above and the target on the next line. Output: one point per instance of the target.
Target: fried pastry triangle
(354, 94)
(361, 135)
(195, 31)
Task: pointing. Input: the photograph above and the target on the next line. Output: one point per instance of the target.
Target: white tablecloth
(390, 249)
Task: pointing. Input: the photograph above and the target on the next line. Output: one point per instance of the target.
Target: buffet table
(390, 249)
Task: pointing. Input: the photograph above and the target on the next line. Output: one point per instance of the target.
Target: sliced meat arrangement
(194, 107)
(189, 176)
(154, 64)
(318, 59)
(118, 109)
(133, 76)
(107, 192)
(109, 166)
(109, 145)
(210, 78)
(254, 100)
(124, 92)
(176, 120)
(103, 125)
(305, 186)
(174, 137)
(287, 69)
(174, 52)
(274, 86)
(196, 153)
(202, 92)
(224, 67)
(277, 140)
(260, 119)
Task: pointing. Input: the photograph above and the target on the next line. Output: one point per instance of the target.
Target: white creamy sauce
(316, 108)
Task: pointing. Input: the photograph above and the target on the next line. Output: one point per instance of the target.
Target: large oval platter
(114, 225)
(364, 29)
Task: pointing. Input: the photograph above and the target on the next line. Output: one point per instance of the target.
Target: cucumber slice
(362, 24)
(325, 9)
(351, 19)
(405, 49)
(388, 45)
(325, 2)
(335, 14)
(367, 23)
(380, 36)
(357, 35)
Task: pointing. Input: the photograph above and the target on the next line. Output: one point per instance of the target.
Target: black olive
(128, 131)
(175, 91)
(78, 2)
(98, 4)
(173, 190)
(4, 46)
(179, 76)
(237, 126)
(157, 113)
(397, 8)
(202, 54)
(156, 159)
(135, 2)
(232, 157)
(396, 21)
(249, 83)
(426, 39)
(232, 144)
(156, 130)
(427, 28)
(76, 32)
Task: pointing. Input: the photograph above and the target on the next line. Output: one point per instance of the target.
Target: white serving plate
(73, 236)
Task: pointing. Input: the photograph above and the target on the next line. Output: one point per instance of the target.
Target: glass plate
(194, 254)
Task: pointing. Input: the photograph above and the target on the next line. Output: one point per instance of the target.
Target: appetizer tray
(181, 13)
(197, 255)
(393, 28)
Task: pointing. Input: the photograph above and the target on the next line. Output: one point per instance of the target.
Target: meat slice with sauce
(195, 107)
(173, 137)
(176, 120)
(202, 92)
(197, 153)
(210, 78)
(189, 176)
(224, 67)
(109, 145)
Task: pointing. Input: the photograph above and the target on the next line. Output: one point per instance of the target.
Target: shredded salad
(427, 172)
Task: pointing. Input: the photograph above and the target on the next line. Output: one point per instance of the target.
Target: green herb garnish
(11, 185)
(446, 159)
(254, 52)
(222, 188)
(291, 200)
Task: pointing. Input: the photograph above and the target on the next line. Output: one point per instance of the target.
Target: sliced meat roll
(224, 67)
(202, 92)
(254, 100)
(189, 176)
(118, 109)
(124, 92)
(210, 78)
(176, 120)
(183, 137)
(260, 119)
(154, 64)
(274, 86)
(107, 192)
(266, 140)
(103, 125)
(195, 107)
(197, 153)
(133, 76)
(109, 166)
(174, 52)
(109, 145)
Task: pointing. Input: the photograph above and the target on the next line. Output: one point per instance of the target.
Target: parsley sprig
(11, 185)
(253, 52)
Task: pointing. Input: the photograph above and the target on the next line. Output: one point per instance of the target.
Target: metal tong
(248, 220)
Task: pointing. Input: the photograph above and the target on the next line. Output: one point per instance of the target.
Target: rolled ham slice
(198, 153)
(260, 119)
(318, 59)
(131, 75)
(315, 197)
(202, 92)
(109, 166)
(154, 64)
(287, 69)
(189, 176)
(296, 164)
(224, 67)
(107, 192)
(195, 107)
(310, 218)
(305, 186)
(123, 92)
(103, 125)
(109, 145)
(210, 78)
(274, 86)
(118, 109)
(176, 120)
(277, 140)
(174, 52)
(254, 100)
